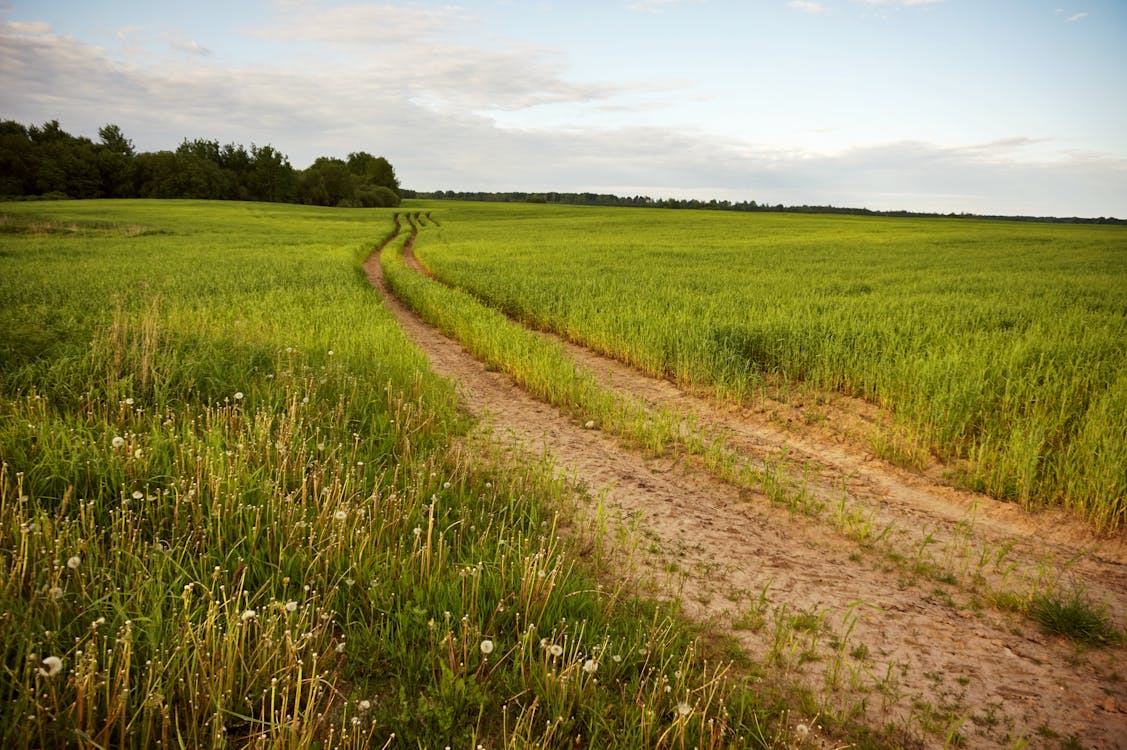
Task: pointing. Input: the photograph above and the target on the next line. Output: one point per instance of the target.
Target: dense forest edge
(46, 162)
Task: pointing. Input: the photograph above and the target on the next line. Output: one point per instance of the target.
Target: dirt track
(899, 625)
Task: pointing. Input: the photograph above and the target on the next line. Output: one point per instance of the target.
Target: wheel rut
(818, 608)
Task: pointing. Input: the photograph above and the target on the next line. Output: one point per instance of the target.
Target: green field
(235, 511)
(238, 510)
(1001, 347)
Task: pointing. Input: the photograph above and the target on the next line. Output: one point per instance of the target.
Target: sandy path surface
(893, 627)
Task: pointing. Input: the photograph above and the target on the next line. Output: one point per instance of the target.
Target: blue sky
(991, 106)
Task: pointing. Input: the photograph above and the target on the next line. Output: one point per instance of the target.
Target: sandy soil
(879, 602)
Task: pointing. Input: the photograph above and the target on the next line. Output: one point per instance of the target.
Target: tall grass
(1000, 346)
(233, 514)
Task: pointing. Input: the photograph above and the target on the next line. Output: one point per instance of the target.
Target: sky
(983, 106)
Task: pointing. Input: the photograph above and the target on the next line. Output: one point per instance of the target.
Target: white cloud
(808, 6)
(189, 46)
(365, 25)
(421, 104)
(1076, 17)
(29, 28)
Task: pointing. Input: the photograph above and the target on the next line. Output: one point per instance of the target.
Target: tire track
(910, 657)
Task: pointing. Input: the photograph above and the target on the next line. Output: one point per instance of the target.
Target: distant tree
(18, 162)
(373, 170)
(115, 141)
(271, 177)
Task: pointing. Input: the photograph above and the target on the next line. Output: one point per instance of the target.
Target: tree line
(645, 201)
(46, 161)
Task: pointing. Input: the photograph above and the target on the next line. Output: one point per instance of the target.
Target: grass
(234, 512)
(1022, 395)
(1073, 616)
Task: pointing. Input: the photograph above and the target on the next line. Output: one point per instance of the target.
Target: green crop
(1001, 347)
(235, 511)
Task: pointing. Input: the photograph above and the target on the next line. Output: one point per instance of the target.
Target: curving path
(892, 627)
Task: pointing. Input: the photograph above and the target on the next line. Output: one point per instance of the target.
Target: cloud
(365, 25)
(28, 28)
(427, 112)
(808, 6)
(406, 47)
(191, 47)
(1076, 17)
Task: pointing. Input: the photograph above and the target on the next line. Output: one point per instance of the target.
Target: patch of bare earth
(877, 597)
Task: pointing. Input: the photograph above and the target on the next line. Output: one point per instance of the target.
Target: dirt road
(880, 599)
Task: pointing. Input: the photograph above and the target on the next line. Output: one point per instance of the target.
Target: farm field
(249, 500)
(999, 347)
(237, 509)
(887, 595)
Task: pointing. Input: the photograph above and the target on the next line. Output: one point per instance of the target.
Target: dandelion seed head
(487, 647)
(138, 495)
(117, 441)
(365, 705)
(249, 614)
(684, 708)
(802, 730)
(340, 515)
(137, 454)
(238, 395)
(52, 665)
(129, 401)
(56, 593)
(74, 562)
(291, 606)
(590, 666)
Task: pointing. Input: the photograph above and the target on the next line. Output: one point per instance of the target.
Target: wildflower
(249, 614)
(291, 606)
(590, 666)
(238, 395)
(487, 647)
(52, 665)
(117, 441)
(74, 562)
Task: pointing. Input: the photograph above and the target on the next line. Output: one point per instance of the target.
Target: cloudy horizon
(928, 105)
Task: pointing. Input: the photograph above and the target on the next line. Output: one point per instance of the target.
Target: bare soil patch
(897, 625)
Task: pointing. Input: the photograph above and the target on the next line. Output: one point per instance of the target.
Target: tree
(115, 141)
(373, 170)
